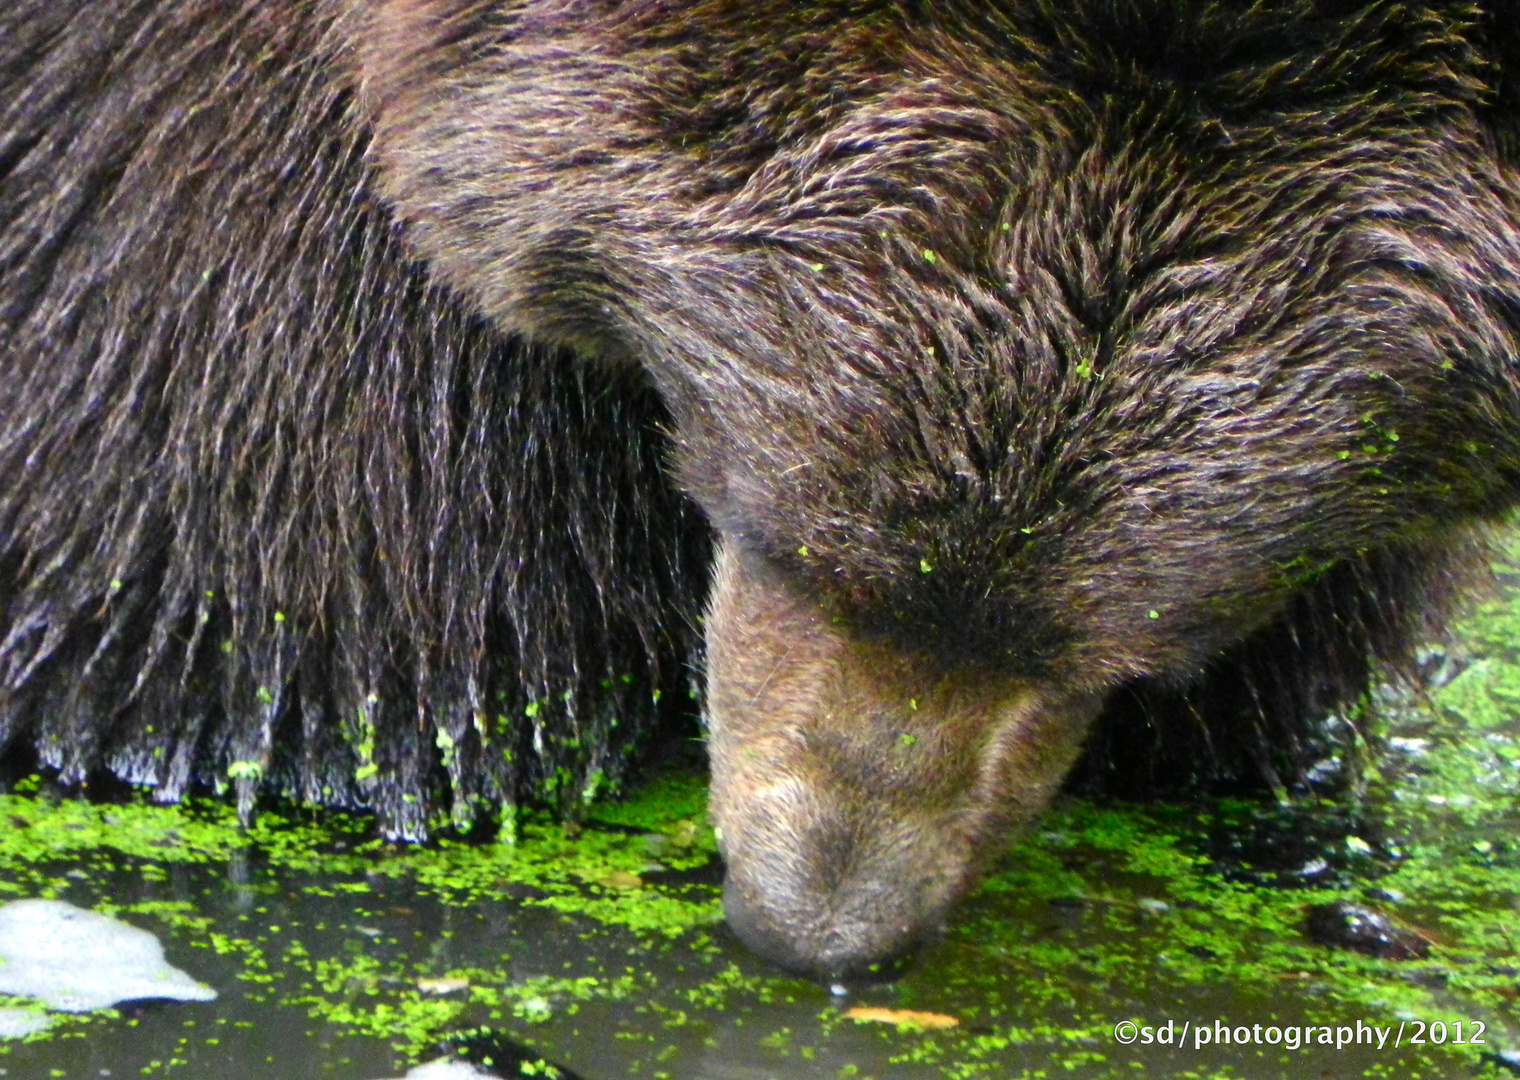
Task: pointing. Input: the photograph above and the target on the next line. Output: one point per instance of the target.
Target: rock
(19, 1023)
(1351, 926)
(75, 960)
(449, 1069)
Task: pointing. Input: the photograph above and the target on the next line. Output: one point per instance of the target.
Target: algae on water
(601, 948)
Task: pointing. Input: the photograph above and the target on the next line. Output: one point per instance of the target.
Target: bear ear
(1499, 38)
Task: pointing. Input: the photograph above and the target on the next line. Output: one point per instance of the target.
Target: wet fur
(358, 355)
(269, 495)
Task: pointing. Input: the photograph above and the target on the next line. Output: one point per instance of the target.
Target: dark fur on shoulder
(273, 505)
(1134, 369)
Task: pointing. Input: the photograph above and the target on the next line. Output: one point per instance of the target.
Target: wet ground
(1118, 940)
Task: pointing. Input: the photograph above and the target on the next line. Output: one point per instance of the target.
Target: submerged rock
(449, 1069)
(19, 1023)
(487, 1056)
(456, 1069)
(74, 960)
(1352, 926)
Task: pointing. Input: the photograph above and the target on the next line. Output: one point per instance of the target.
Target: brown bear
(1031, 363)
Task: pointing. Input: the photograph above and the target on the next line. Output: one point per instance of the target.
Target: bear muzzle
(841, 904)
(859, 790)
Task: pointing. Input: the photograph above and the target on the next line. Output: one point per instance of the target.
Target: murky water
(601, 955)
(356, 977)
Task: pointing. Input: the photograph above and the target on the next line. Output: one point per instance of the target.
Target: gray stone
(75, 960)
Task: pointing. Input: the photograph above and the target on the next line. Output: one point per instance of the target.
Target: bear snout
(859, 789)
(861, 926)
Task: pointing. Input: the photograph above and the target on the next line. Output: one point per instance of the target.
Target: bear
(400, 394)
(275, 508)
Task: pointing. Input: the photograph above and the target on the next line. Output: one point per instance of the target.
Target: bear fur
(276, 508)
(385, 379)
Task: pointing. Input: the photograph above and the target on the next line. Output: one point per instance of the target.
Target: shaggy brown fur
(274, 506)
(1025, 356)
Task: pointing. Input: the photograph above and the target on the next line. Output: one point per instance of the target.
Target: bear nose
(820, 944)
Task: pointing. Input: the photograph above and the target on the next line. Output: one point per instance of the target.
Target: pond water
(601, 955)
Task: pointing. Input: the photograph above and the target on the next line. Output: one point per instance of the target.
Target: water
(358, 976)
(601, 955)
